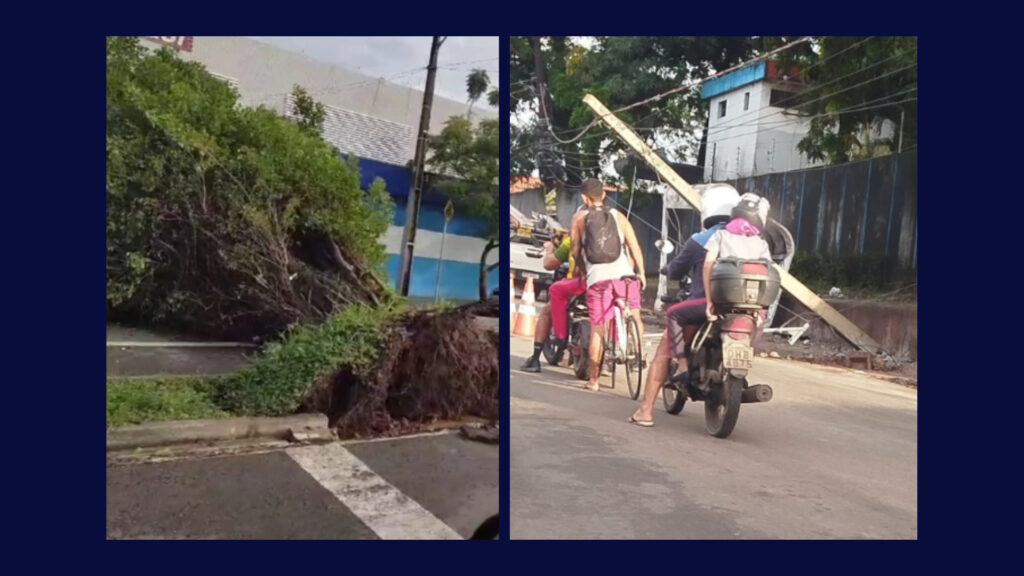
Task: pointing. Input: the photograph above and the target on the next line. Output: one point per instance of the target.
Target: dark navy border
(504, 367)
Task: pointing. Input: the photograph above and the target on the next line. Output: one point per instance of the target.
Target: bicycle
(627, 351)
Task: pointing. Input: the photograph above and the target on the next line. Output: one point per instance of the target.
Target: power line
(885, 105)
(853, 108)
(677, 89)
(833, 81)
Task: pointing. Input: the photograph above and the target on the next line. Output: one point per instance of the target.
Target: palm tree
(476, 84)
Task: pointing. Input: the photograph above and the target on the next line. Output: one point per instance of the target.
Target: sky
(402, 59)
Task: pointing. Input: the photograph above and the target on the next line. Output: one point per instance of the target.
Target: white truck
(526, 250)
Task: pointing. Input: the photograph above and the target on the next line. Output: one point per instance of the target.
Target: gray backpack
(601, 243)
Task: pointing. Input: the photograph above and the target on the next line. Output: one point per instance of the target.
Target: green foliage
(276, 384)
(134, 401)
(311, 113)
(467, 156)
(852, 273)
(476, 85)
(853, 85)
(287, 371)
(619, 71)
(221, 217)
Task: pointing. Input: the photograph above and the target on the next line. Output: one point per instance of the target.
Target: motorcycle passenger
(600, 238)
(683, 318)
(740, 238)
(559, 294)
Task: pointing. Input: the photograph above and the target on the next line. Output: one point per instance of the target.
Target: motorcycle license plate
(738, 356)
(525, 232)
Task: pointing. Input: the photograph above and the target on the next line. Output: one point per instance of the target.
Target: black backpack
(601, 243)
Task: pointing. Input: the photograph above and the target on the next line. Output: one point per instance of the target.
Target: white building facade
(753, 126)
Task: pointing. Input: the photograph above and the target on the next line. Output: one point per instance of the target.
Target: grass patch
(371, 370)
(138, 400)
(284, 376)
(277, 384)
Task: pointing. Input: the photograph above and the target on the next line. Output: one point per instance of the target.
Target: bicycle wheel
(634, 358)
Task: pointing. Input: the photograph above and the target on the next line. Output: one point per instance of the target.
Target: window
(746, 101)
(784, 99)
(721, 109)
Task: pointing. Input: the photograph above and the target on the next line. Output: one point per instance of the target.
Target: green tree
(854, 85)
(476, 85)
(310, 112)
(620, 71)
(223, 219)
(465, 158)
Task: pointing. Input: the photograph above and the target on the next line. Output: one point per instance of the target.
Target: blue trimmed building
(754, 124)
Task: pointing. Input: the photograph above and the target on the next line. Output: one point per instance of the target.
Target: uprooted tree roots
(436, 365)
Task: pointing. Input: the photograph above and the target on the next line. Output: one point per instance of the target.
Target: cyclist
(601, 236)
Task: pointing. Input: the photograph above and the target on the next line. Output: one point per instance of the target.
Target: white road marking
(383, 508)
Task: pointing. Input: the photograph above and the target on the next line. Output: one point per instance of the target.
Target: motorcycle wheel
(671, 395)
(581, 362)
(722, 408)
(551, 353)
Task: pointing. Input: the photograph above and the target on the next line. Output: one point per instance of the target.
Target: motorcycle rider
(601, 236)
(559, 294)
(717, 203)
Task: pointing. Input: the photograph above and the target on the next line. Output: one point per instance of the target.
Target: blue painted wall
(459, 278)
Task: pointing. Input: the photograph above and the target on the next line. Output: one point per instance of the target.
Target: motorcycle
(722, 352)
(578, 341)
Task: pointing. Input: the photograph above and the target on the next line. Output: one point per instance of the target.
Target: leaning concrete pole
(790, 284)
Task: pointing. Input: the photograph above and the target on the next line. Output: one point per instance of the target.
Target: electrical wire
(833, 81)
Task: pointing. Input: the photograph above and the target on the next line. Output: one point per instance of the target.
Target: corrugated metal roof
(364, 136)
(733, 80)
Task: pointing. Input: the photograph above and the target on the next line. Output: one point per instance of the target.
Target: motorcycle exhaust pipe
(757, 393)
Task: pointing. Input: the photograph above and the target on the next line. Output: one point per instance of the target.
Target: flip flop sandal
(644, 423)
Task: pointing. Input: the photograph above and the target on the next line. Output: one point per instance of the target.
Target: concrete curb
(300, 427)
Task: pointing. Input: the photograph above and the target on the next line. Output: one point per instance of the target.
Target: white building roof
(364, 136)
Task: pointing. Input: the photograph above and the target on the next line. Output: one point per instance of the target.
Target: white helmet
(718, 201)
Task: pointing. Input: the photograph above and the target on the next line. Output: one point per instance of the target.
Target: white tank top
(612, 270)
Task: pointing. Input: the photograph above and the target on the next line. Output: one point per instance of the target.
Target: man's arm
(550, 261)
(576, 239)
(680, 266)
(634, 249)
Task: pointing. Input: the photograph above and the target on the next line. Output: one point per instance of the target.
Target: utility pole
(545, 145)
(789, 283)
(412, 207)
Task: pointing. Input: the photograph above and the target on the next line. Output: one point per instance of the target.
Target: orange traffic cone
(512, 301)
(526, 320)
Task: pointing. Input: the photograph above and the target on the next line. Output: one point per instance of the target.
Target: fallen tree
(226, 220)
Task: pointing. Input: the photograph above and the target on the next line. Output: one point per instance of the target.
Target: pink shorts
(601, 296)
